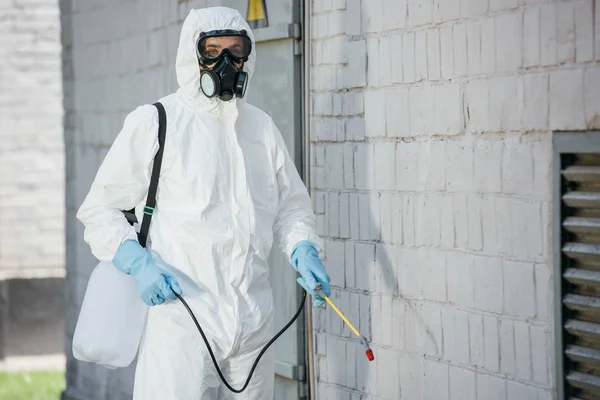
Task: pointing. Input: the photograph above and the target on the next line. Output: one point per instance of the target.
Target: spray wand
(363, 340)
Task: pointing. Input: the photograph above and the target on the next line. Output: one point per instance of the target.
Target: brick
(352, 353)
(446, 222)
(408, 221)
(548, 32)
(350, 274)
(488, 225)
(591, 102)
(419, 13)
(354, 215)
(365, 314)
(474, 222)
(387, 338)
(399, 306)
(336, 252)
(446, 10)
(474, 48)
(376, 318)
(584, 31)
(507, 348)
(421, 66)
(433, 55)
(348, 165)
(394, 14)
(334, 166)
(432, 275)
(421, 102)
(448, 113)
(397, 112)
(388, 366)
(365, 260)
(408, 57)
(535, 101)
(565, 17)
(491, 388)
(459, 41)
(436, 384)
(412, 377)
(355, 72)
(335, 324)
(333, 214)
(353, 17)
(488, 45)
(459, 164)
(427, 221)
(522, 350)
(504, 103)
(526, 230)
(517, 166)
(539, 355)
(408, 273)
(497, 5)
(431, 329)
(375, 118)
(384, 62)
(336, 360)
(487, 275)
(471, 8)
(407, 158)
(373, 62)
(375, 223)
(336, 23)
(385, 269)
(447, 52)
(491, 344)
(365, 216)
(384, 165)
(476, 106)
(531, 37)
(449, 336)
(355, 129)
(322, 370)
(434, 172)
(476, 339)
(460, 279)
(363, 167)
(461, 229)
(518, 391)
(462, 335)
(462, 384)
(396, 58)
(544, 292)
(372, 16)
(396, 220)
(385, 209)
(519, 289)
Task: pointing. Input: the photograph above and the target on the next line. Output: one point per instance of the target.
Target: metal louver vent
(580, 270)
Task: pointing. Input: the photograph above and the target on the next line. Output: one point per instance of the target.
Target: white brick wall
(31, 141)
(448, 189)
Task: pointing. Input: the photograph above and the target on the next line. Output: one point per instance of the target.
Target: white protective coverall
(227, 189)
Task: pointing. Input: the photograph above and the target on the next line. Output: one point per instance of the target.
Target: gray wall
(31, 145)
(432, 135)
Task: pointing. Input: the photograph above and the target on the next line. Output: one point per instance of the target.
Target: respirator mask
(218, 53)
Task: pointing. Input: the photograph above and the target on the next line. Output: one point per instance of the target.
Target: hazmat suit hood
(186, 64)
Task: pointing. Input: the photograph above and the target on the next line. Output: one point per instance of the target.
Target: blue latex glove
(307, 262)
(154, 284)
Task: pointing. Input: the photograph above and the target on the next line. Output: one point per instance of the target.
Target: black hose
(212, 356)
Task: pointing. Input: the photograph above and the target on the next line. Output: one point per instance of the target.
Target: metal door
(276, 89)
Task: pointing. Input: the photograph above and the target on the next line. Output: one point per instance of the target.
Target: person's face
(214, 46)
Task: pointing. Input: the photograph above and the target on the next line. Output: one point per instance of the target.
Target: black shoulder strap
(151, 199)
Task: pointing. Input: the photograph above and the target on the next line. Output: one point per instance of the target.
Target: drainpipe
(307, 11)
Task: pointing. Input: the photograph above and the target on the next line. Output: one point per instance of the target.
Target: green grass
(46, 385)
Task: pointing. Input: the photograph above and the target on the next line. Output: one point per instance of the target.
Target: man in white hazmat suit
(228, 189)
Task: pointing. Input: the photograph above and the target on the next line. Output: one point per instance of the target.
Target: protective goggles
(213, 45)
